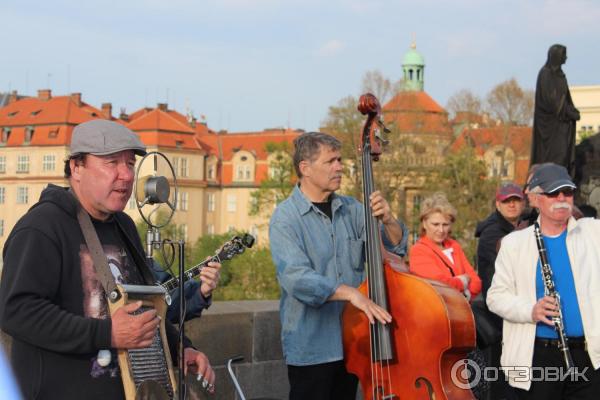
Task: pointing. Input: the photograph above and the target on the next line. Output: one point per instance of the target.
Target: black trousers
(329, 381)
(568, 389)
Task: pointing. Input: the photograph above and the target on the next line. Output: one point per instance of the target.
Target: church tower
(413, 68)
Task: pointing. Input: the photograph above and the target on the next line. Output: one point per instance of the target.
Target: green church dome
(413, 57)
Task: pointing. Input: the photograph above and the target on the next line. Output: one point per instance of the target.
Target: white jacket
(513, 293)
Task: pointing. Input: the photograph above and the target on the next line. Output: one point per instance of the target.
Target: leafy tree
(463, 178)
(171, 231)
(252, 277)
(280, 181)
(345, 123)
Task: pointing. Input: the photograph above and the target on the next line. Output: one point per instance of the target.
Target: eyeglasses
(566, 192)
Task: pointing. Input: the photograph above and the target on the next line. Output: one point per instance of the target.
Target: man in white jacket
(530, 355)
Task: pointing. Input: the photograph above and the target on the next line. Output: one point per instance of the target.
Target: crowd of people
(53, 298)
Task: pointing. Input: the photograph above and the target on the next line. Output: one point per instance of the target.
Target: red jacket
(428, 261)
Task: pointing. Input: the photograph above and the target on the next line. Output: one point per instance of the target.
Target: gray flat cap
(101, 137)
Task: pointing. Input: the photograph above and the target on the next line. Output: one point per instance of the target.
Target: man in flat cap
(531, 354)
(52, 301)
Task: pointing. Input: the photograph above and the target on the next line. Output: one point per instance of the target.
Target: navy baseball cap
(550, 178)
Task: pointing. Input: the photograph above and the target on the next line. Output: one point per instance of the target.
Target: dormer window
(53, 133)
(36, 112)
(5, 134)
(244, 167)
(12, 114)
(28, 134)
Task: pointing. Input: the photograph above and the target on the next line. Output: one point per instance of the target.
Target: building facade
(587, 101)
(216, 172)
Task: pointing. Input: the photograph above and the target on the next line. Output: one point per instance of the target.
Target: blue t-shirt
(565, 285)
(8, 386)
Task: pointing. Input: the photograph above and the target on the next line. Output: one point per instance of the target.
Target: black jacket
(490, 231)
(45, 307)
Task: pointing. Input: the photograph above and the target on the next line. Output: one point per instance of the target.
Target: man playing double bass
(317, 242)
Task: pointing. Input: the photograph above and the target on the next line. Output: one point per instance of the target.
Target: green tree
(345, 123)
(280, 180)
(463, 178)
(166, 256)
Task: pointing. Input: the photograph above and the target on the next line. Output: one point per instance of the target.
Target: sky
(248, 65)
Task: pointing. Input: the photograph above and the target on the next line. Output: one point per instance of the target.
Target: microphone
(153, 189)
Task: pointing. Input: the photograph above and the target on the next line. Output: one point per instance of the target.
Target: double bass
(421, 354)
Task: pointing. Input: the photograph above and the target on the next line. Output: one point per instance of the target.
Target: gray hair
(308, 146)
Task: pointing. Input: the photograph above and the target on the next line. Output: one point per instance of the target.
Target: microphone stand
(153, 241)
(181, 380)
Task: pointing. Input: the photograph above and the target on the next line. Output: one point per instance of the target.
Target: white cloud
(331, 48)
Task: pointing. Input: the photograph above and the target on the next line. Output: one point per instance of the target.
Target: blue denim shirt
(314, 256)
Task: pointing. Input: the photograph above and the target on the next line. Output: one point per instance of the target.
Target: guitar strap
(103, 272)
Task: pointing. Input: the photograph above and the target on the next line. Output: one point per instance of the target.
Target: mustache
(558, 206)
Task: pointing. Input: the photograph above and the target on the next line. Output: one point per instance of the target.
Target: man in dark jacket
(510, 202)
(51, 300)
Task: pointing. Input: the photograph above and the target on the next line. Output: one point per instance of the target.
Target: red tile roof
(519, 140)
(53, 118)
(416, 112)
(255, 142)
(164, 128)
(225, 145)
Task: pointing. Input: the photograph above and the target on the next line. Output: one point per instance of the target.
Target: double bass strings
(379, 361)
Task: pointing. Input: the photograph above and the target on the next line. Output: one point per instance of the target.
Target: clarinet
(550, 290)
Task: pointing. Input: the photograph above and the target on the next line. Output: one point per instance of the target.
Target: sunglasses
(566, 192)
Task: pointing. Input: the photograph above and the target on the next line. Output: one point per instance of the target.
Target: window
(211, 202)
(28, 134)
(1, 227)
(211, 172)
(2, 194)
(210, 229)
(22, 164)
(240, 172)
(49, 162)
(22, 195)
(5, 134)
(183, 203)
(231, 203)
(2, 164)
(184, 167)
(175, 164)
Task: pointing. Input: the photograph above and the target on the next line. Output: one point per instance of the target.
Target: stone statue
(555, 114)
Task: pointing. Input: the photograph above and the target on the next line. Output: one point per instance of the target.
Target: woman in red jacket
(436, 256)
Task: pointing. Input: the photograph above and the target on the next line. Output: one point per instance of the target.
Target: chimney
(107, 110)
(44, 94)
(123, 115)
(13, 97)
(163, 107)
(76, 97)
